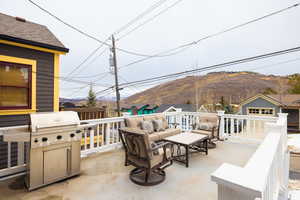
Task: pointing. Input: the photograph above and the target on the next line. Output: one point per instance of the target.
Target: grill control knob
(36, 140)
(59, 137)
(72, 135)
(44, 139)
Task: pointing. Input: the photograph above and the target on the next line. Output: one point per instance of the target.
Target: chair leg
(147, 175)
(126, 162)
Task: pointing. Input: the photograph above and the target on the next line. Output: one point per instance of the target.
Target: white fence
(265, 176)
(104, 136)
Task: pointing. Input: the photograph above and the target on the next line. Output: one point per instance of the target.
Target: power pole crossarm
(116, 75)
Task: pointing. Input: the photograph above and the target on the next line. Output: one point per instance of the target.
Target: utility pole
(116, 74)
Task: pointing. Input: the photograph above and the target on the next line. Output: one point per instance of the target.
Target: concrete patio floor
(104, 177)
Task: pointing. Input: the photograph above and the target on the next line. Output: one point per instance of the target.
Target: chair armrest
(160, 145)
(133, 130)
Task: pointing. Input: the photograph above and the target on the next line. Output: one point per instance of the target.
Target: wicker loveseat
(135, 124)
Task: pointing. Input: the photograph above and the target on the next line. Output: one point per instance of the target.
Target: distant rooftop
(287, 99)
(184, 107)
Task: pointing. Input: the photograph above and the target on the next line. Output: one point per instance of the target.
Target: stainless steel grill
(54, 152)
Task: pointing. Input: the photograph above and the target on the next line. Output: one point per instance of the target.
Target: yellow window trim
(33, 84)
(56, 83)
(31, 47)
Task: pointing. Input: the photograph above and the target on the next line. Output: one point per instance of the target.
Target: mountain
(233, 86)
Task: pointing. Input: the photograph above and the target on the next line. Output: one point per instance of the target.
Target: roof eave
(33, 43)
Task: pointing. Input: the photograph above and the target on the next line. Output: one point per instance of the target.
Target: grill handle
(39, 126)
(69, 159)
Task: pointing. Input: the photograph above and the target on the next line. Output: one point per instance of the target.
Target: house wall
(293, 117)
(259, 103)
(44, 82)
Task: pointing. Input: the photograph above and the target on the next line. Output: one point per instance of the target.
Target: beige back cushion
(149, 118)
(164, 120)
(209, 119)
(133, 122)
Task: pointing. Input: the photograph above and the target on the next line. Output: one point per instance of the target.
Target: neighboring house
(139, 109)
(176, 108)
(270, 105)
(29, 70)
(66, 105)
(150, 109)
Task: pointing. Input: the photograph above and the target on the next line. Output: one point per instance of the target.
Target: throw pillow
(148, 126)
(158, 125)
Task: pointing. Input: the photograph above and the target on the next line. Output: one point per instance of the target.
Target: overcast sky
(189, 20)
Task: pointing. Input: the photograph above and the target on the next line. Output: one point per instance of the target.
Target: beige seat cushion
(203, 132)
(154, 136)
(155, 160)
(133, 122)
(168, 132)
(163, 134)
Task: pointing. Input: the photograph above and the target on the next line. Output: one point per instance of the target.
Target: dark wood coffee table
(191, 142)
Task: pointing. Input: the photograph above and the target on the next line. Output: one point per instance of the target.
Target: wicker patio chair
(208, 126)
(149, 160)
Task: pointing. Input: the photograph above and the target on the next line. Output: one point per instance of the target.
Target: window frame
(31, 64)
(260, 111)
(28, 87)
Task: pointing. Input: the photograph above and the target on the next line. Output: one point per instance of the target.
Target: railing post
(222, 134)
(285, 165)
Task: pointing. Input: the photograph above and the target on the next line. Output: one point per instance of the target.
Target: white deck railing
(105, 137)
(265, 176)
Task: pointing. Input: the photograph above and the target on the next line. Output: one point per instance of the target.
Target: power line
(275, 64)
(148, 10)
(75, 92)
(86, 59)
(149, 20)
(226, 64)
(101, 91)
(135, 88)
(155, 80)
(93, 60)
(190, 44)
(118, 31)
(84, 33)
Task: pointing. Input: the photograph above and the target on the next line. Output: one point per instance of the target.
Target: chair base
(211, 145)
(138, 176)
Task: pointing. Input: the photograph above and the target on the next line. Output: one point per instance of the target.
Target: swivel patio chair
(148, 159)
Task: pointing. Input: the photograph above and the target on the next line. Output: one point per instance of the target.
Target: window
(267, 111)
(261, 111)
(253, 111)
(15, 86)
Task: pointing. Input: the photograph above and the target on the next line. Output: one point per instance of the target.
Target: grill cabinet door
(55, 164)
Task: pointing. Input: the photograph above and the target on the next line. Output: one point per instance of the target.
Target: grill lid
(53, 119)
